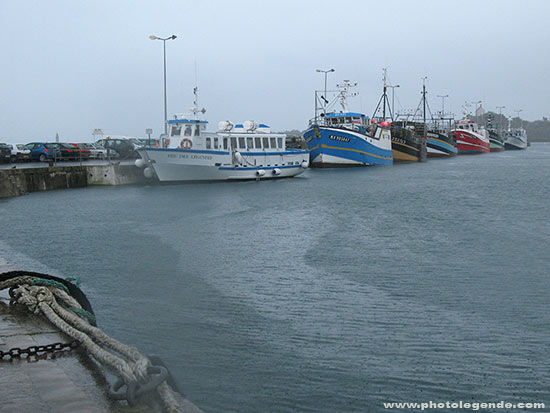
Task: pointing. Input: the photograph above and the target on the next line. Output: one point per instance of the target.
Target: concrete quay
(21, 179)
(60, 381)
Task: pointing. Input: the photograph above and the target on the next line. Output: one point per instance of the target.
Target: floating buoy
(148, 172)
(140, 163)
(276, 171)
(260, 172)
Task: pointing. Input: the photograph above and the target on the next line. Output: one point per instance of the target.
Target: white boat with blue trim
(346, 138)
(515, 139)
(235, 152)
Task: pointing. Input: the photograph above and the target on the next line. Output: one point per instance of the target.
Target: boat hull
(470, 143)
(339, 147)
(440, 145)
(496, 143)
(407, 147)
(513, 143)
(180, 165)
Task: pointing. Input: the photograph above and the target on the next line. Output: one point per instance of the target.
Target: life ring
(186, 143)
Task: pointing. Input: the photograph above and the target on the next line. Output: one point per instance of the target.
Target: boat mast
(383, 99)
(384, 94)
(195, 109)
(424, 98)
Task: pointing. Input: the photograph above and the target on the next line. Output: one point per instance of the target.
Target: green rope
(75, 279)
(51, 283)
(81, 312)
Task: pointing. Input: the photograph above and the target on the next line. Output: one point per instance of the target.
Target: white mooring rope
(131, 365)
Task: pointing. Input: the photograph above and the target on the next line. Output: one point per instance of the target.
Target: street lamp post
(149, 131)
(153, 37)
(393, 99)
(325, 72)
(442, 103)
(517, 111)
(500, 114)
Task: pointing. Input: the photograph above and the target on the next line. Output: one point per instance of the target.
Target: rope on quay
(66, 306)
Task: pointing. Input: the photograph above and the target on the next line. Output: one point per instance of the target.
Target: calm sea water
(334, 291)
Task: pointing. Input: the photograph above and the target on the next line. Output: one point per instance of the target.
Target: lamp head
(153, 37)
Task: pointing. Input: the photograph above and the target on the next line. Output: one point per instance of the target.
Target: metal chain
(33, 351)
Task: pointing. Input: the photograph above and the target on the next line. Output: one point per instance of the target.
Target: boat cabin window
(266, 143)
(348, 119)
(280, 143)
(258, 142)
(187, 130)
(249, 143)
(215, 143)
(197, 130)
(233, 143)
(224, 143)
(208, 143)
(176, 130)
(241, 143)
(273, 142)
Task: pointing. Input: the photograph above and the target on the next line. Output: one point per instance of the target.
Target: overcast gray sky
(72, 66)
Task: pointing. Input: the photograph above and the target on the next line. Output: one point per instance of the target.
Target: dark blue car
(43, 151)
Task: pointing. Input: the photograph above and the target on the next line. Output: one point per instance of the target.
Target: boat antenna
(424, 97)
(344, 93)
(195, 109)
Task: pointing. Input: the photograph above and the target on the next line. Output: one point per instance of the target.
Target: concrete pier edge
(20, 180)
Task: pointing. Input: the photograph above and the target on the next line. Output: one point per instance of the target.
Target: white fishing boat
(515, 139)
(235, 152)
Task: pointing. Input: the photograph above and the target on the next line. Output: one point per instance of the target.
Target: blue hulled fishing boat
(346, 138)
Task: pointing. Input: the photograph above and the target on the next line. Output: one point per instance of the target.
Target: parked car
(43, 151)
(5, 152)
(123, 147)
(84, 153)
(96, 151)
(19, 152)
(137, 143)
(68, 152)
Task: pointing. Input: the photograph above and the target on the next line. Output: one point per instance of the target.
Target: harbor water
(334, 291)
